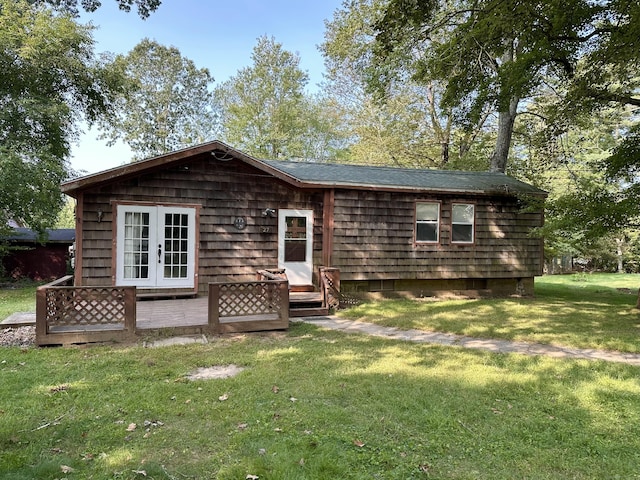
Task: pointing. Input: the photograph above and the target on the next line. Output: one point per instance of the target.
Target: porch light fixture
(99, 213)
(269, 212)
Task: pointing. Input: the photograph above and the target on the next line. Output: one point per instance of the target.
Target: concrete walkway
(497, 346)
(419, 336)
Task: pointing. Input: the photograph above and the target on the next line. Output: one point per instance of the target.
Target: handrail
(268, 274)
(66, 281)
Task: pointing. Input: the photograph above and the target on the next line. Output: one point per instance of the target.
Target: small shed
(38, 258)
(210, 213)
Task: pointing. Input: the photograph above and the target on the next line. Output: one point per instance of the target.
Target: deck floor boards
(183, 312)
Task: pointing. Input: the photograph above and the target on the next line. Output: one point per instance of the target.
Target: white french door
(295, 245)
(155, 246)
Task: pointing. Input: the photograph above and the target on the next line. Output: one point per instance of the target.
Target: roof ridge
(384, 167)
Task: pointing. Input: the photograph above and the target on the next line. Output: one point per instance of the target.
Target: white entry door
(295, 245)
(155, 246)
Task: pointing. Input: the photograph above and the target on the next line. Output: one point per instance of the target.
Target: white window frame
(472, 223)
(432, 222)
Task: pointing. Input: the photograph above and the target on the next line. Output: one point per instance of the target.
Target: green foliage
(145, 7)
(168, 104)
(50, 79)
(67, 215)
(266, 112)
(494, 54)
(407, 127)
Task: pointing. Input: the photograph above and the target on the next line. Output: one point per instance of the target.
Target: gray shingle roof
(26, 235)
(340, 175)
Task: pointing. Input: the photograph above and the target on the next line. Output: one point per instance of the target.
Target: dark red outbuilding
(38, 259)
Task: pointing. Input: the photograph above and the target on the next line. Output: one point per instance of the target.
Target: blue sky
(216, 34)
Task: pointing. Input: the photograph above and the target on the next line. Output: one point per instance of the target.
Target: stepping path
(497, 346)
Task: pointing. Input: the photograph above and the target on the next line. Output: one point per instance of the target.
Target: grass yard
(585, 311)
(313, 404)
(17, 298)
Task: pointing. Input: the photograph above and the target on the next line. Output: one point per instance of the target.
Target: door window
(155, 246)
(136, 245)
(295, 239)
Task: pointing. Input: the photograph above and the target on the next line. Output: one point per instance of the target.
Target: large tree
(499, 52)
(263, 106)
(408, 127)
(168, 104)
(50, 80)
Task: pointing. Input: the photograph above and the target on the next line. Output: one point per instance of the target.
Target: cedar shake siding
(374, 244)
(222, 192)
(364, 221)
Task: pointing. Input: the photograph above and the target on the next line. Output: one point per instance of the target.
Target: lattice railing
(67, 314)
(249, 306)
(69, 306)
(255, 298)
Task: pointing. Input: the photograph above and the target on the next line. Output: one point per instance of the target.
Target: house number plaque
(240, 223)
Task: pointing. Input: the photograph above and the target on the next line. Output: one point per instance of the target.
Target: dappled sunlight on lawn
(563, 314)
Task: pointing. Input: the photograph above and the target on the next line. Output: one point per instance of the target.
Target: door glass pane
(175, 245)
(136, 245)
(295, 239)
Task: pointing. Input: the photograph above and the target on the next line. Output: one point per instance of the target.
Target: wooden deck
(191, 313)
(184, 312)
(158, 314)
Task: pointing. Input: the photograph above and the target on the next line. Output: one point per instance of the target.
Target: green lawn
(17, 298)
(585, 311)
(312, 404)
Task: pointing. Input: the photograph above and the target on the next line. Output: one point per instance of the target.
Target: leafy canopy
(168, 103)
(496, 53)
(410, 127)
(262, 105)
(144, 7)
(50, 80)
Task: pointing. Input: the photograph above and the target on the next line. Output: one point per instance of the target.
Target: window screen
(462, 223)
(427, 221)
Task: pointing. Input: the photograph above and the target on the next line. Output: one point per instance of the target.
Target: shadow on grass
(345, 406)
(591, 317)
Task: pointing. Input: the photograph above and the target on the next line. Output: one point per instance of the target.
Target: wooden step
(308, 312)
(302, 288)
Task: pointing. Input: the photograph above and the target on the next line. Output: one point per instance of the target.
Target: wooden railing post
(130, 310)
(330, 284)
(284, 295)
(41, 314)
(214, 307)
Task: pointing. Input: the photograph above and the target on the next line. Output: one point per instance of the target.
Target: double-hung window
(462, 223)
(427, 222)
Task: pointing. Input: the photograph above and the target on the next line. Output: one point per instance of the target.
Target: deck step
(308, 312)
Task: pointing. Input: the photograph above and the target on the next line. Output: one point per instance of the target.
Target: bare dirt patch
(217, 371)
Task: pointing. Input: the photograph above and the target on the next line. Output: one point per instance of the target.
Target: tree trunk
(444, 154)
(619, 244)
(506, 120)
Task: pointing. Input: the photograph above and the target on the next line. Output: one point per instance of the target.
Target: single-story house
(30, 256)
(210, 213)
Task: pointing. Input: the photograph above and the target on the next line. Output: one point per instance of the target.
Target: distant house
(209, 213)
(38, 259)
